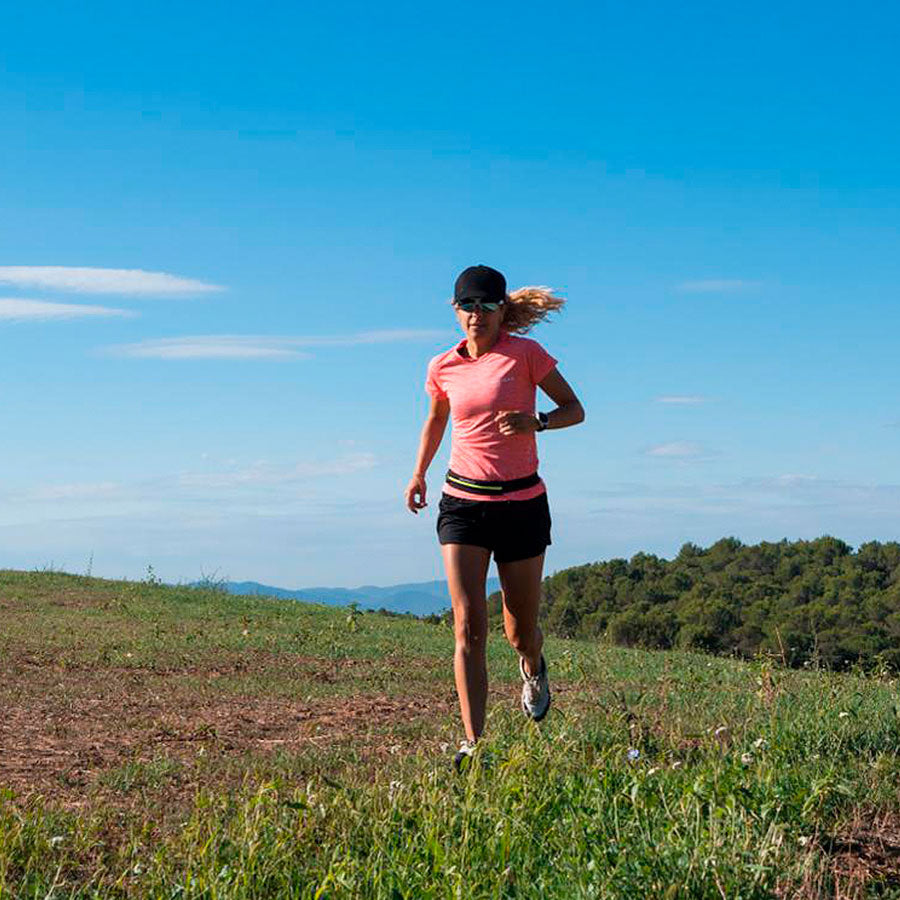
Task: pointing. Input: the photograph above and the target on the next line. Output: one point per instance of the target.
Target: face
(480, 324)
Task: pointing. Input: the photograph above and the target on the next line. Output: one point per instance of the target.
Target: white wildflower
(56, 840)
(761, 744)
(843, 715)
(394, 748)
(746, 758)
(653, 771)
(245, 632)
(803, 840)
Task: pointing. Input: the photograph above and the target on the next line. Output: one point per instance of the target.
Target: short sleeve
(432, 382)
(540, 362)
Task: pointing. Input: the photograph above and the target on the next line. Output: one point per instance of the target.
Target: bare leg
(466, 567)
(521, 584)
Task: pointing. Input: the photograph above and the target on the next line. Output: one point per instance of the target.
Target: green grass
(139, 775)
(655, 775)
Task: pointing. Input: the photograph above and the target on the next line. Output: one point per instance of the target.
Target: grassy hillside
(180, 743)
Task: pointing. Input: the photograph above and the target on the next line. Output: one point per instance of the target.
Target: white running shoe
(471, 752)
(535, 691)
(463, 758)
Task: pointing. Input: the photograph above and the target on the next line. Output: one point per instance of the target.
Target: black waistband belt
(477, 486)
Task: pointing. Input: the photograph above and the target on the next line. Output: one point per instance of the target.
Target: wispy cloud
(684, 399)
(715, 286)
(76, 491)
(676, 450)
(86, 280)
(235, 346)
(385, 336)
(788, 481)
(264, 473)
(780, 493)
(13, 309)
(209, 347)
(261, 487)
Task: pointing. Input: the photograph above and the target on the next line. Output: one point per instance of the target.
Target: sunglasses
(486, 305)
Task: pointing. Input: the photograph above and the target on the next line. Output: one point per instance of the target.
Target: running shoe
(535, 691)
(463, 758)
(471, 753)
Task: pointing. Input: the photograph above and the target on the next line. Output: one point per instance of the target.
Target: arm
(432, 434)
(568, 409)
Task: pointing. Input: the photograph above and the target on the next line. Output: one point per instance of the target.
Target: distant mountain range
(420, 598)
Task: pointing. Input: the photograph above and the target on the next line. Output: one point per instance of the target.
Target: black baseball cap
(480, 283)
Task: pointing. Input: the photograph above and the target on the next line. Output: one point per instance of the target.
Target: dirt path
(61, 728)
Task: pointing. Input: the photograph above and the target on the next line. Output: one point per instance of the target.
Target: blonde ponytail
(527, 306)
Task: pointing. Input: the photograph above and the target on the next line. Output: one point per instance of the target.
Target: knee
(470, 632)
(517, 640)
(522, 641)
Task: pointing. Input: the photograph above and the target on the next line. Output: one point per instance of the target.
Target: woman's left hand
(512, 422)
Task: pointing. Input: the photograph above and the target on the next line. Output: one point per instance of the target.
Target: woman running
(493, 499)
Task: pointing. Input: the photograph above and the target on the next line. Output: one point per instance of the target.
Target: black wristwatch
(543, 421)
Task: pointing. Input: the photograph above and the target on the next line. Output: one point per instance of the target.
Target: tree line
(808, 602)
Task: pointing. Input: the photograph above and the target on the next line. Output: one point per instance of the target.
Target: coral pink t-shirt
(504, 378)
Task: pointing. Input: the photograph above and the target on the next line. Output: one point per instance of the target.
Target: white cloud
(388, 336)
(264, 473)
(76, 491)
(676, 450)
(13, 309)
(682, 399)
(715, 286)
(209, 347)
(259, 485)
(235, 346)
(86, 280)
(788, 480)
(777, 493)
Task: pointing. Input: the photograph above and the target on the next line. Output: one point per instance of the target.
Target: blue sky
(228, 237)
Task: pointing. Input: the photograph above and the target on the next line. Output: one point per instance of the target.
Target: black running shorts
(512, 529)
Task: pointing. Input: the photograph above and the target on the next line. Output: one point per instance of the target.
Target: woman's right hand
(415, 494)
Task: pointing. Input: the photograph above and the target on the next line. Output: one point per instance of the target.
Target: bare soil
(62, 726)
